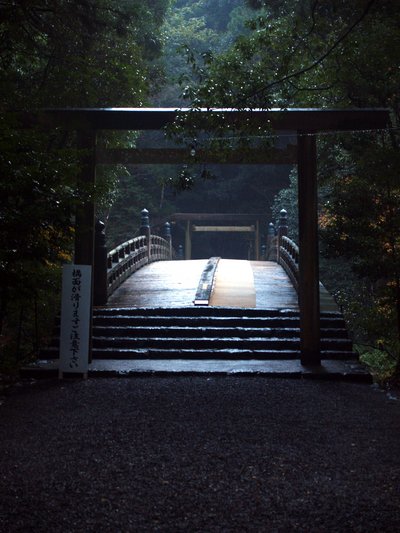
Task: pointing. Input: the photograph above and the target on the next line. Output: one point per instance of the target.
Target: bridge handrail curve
(130, 256)
(288, 258)
(160, 249)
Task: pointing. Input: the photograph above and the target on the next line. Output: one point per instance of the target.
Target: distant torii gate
(238, 222)
(306, 123)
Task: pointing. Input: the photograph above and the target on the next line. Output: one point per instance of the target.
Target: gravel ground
(198, 454)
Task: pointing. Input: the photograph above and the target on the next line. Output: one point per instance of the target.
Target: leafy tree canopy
(60, 53)
(308, 52)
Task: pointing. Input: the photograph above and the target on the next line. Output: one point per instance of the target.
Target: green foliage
(308, 53)
(335, 54)
(381, 365)
(31, 308)
(196, 31)
(287, 199)
(362, 215)
(138, 188)
(80, 50)
(331, 54)
(59, 54)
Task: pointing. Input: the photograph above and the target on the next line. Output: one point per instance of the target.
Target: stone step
(207, 333)
(211, 321)
(225, 354)
(345, 370)
(204, 353)
(204, 311)
(197, 311)
(210, 332)
(201, 342)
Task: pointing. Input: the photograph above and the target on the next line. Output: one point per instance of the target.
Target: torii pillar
(308, 291)
(85, 213)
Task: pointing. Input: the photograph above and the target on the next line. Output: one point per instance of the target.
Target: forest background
(222, 53)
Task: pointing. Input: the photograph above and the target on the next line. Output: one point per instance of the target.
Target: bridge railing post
(168, 237)
(100, 285)
(145, 230)
(188, 240)
(270, 252)
(282, 229)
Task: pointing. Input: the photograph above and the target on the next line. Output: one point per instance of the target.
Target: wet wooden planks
(274, 290)
(160, 284)
(233, 285)
(174, 284)
(326, 301)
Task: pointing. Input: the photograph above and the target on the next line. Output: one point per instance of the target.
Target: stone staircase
(208, 333)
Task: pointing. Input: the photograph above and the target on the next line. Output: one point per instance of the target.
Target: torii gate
(307, 123)
(238, 222)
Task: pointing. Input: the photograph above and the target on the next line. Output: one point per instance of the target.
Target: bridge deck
(174, 284)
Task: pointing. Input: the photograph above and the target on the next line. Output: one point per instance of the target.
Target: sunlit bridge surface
(258, 284)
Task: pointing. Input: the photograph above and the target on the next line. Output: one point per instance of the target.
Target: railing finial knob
(283, 223)
(167, 230)
(144, 219)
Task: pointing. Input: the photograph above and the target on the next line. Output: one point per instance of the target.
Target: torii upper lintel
(142, 118)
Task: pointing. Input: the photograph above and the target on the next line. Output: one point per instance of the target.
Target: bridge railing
(112, 268)
(160, 249)
(282, 249)
(288, 258)
(124, 260)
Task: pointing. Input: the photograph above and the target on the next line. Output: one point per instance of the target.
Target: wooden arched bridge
(314, 332)
(152, 305)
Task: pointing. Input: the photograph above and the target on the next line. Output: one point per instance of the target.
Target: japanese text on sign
(75, 318)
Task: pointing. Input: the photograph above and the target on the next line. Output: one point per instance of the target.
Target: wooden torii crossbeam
(306, 123)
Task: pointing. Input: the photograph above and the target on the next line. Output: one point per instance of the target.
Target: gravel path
(217, 454)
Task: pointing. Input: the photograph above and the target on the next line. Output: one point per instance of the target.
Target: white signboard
(75, 318)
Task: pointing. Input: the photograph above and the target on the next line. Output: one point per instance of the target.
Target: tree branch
(321, 58)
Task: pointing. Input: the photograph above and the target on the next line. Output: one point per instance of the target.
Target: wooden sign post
(75, 319)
